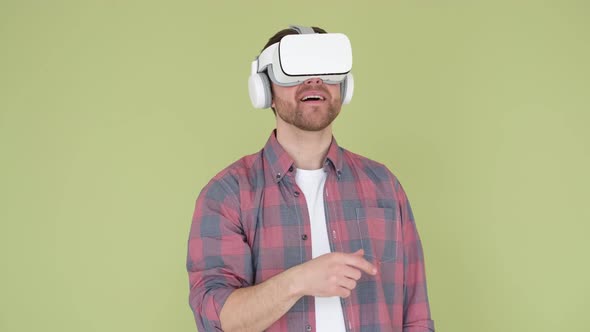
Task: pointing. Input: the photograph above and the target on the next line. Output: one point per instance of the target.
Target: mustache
(316, 88)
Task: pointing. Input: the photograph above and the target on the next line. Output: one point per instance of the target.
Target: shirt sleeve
(219, 257)
(416, 308)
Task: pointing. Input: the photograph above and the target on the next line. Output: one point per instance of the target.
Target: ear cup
(347, 88)
(259, 90)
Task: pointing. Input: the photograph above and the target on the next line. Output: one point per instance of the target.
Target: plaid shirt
(251, 222)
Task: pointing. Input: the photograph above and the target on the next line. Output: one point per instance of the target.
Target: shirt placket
(303, 215)
(333, 237)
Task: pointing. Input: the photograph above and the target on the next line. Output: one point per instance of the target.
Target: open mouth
(312, 98)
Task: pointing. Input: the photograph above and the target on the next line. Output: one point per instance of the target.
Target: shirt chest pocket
(379, 233)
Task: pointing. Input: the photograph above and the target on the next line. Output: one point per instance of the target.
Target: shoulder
(374, 170)
(229, 181)
(377, 176)
(238, 169)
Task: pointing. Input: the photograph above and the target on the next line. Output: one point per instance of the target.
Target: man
(305, 235)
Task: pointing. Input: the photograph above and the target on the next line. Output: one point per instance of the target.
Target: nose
(313, 80)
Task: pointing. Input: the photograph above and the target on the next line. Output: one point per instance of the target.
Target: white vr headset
(297, 58)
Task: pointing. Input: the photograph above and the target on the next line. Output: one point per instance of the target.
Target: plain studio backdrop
(114, 115)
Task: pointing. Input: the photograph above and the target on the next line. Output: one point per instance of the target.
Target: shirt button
(291, 169)
(308, 327)
(296, 194)
(304, 237)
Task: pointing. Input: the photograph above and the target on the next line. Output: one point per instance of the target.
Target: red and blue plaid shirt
(251, 222)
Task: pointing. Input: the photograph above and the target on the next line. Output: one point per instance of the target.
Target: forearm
(257, 307)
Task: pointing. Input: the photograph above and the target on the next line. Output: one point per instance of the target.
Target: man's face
(310, 114)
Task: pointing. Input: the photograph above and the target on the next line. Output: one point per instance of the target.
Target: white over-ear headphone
(259, 86)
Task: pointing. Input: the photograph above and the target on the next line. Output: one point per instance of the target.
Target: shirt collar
(281, 162)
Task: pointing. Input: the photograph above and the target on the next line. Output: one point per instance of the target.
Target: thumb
(359, 252)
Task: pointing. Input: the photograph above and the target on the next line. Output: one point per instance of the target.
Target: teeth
(312, 96)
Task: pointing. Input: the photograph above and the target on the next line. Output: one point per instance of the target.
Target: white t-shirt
(328, 310)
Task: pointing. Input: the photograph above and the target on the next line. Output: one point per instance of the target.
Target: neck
(307, 148)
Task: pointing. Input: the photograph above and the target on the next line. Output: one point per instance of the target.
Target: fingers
(343, 292)
(351, 272)
(348, 283)
(360, 263)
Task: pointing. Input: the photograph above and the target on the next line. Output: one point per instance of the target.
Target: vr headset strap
(302, 29)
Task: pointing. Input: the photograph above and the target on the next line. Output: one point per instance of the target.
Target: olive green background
(114, 115)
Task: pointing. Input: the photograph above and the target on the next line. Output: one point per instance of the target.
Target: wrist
(292, 282)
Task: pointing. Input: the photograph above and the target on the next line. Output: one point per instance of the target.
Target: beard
(306, 117)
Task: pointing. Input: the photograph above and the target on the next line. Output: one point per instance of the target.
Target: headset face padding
(260, 91)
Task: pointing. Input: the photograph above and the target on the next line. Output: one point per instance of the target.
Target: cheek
(286, 94)
(334, 90)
